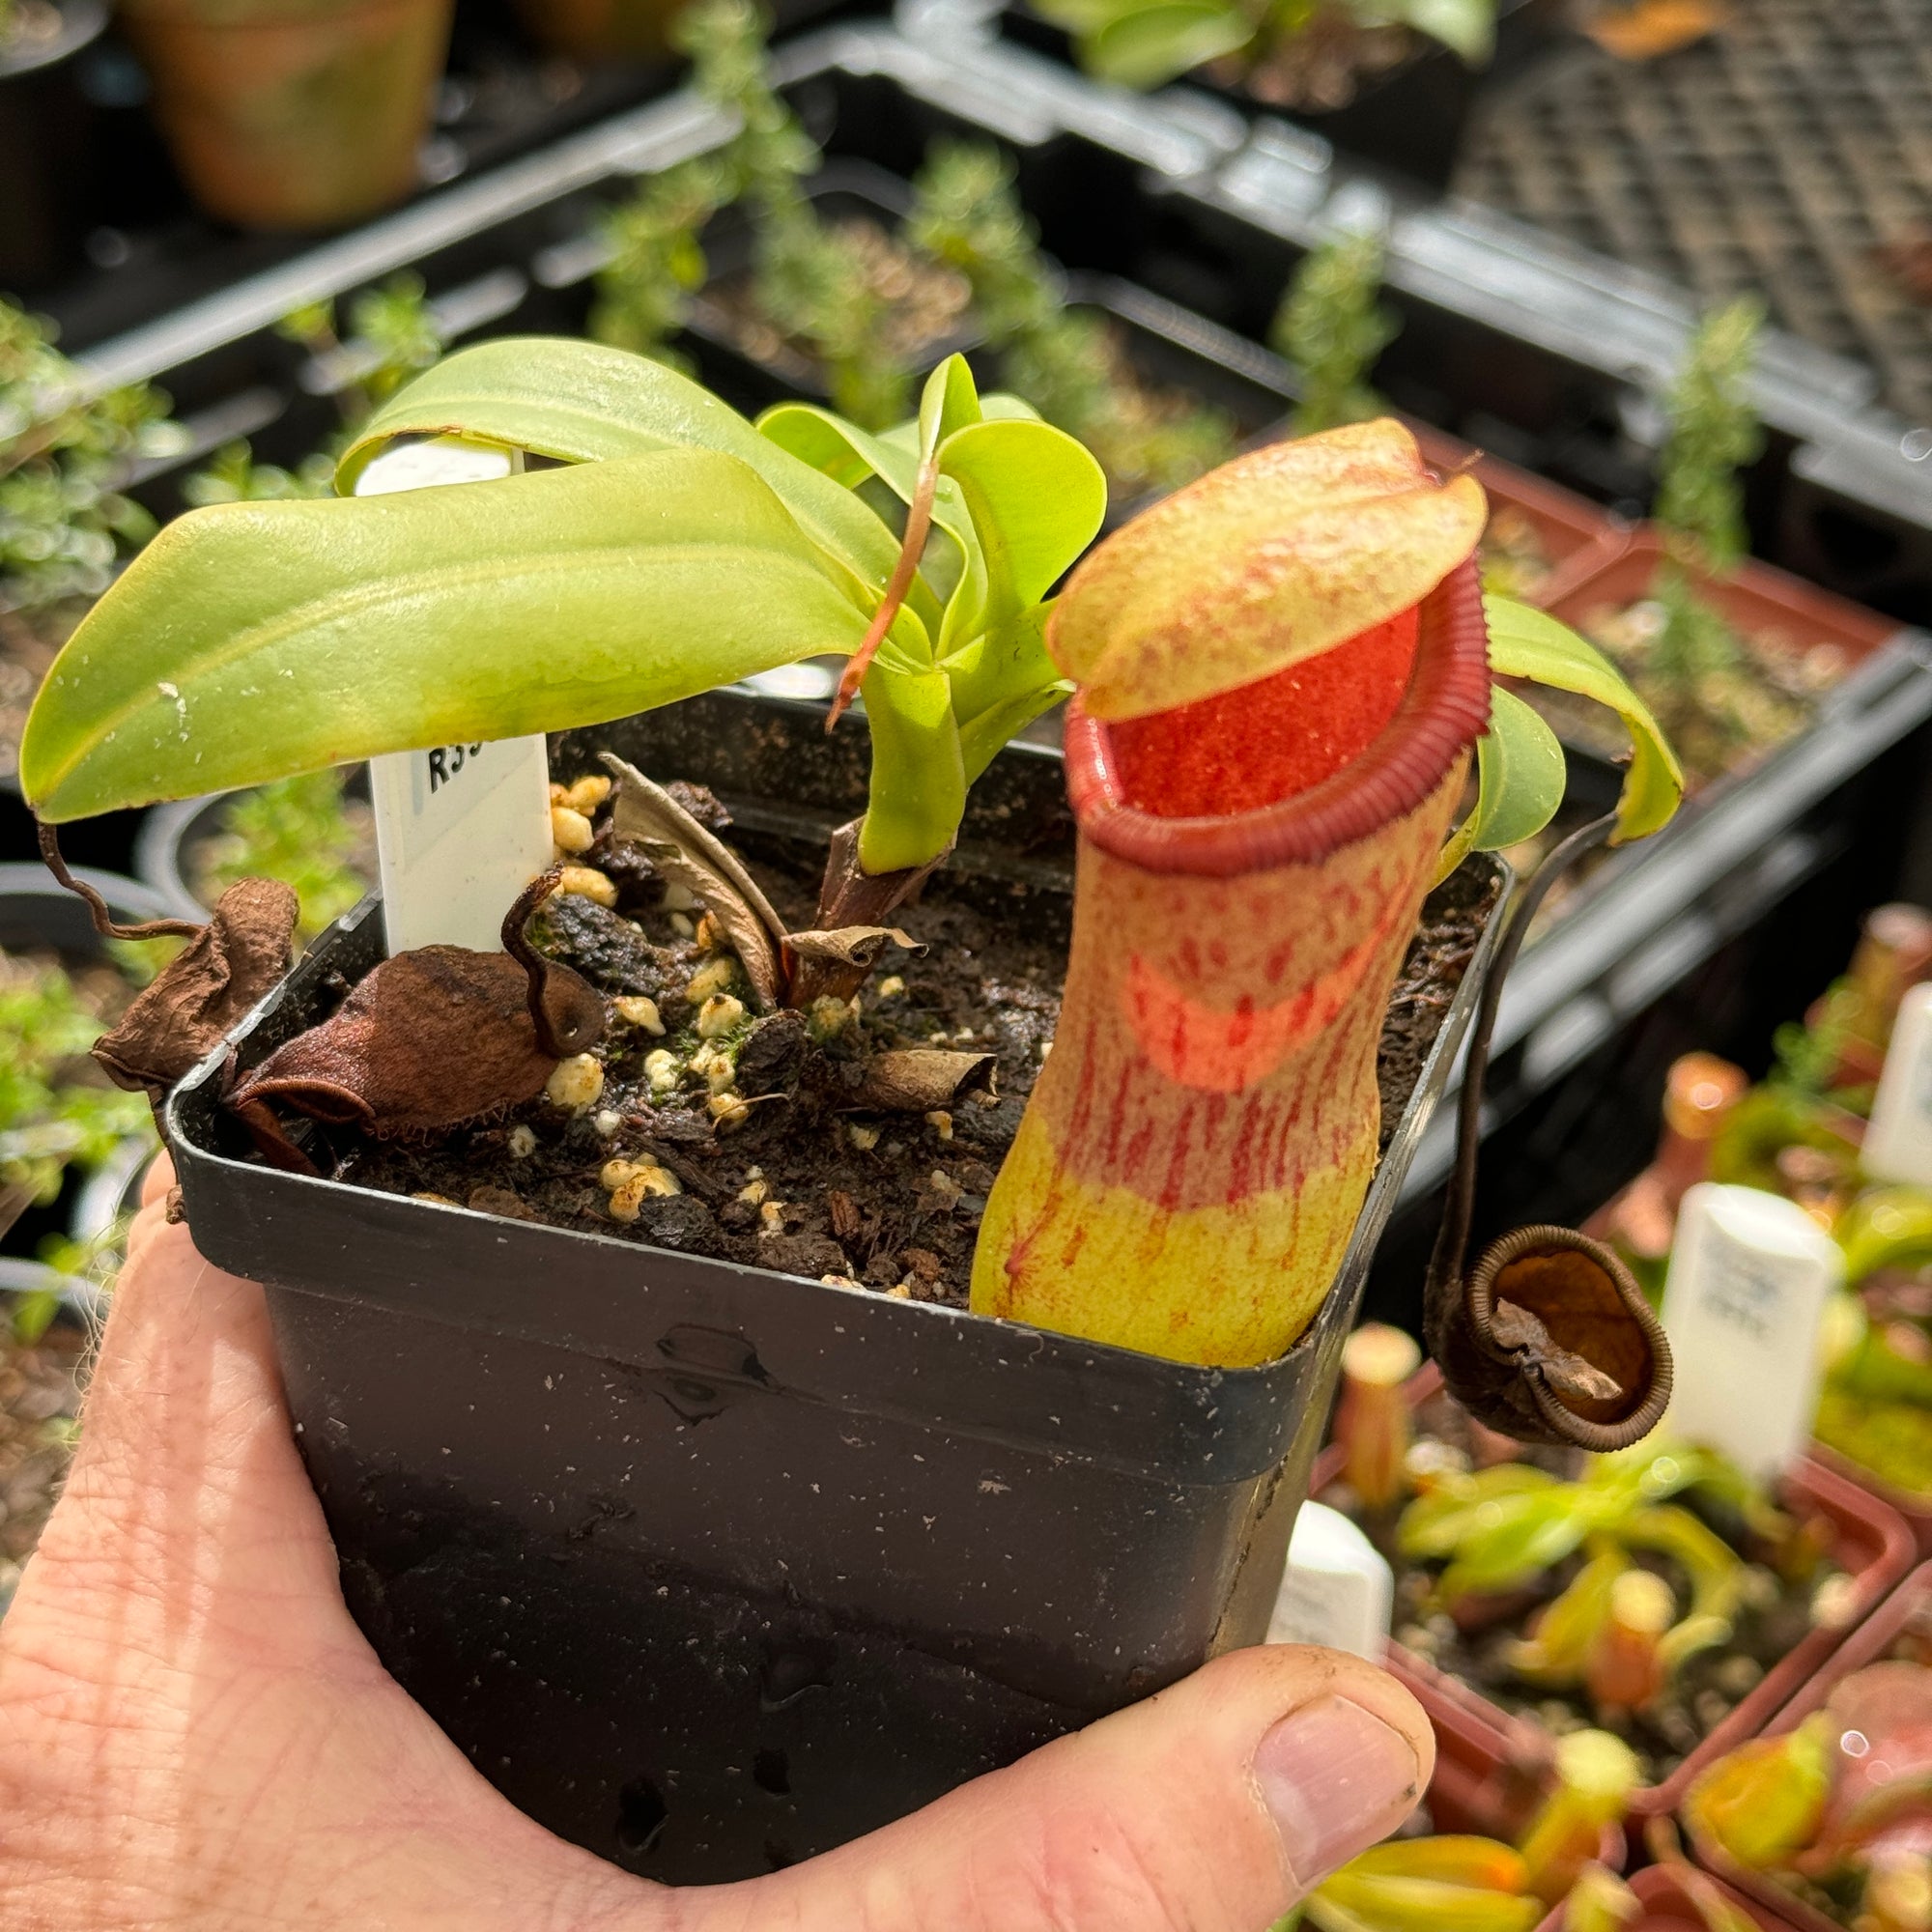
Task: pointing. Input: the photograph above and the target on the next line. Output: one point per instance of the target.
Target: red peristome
(1441, 709)
(1269, 740)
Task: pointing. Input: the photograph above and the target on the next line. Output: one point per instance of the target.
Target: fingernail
(1336, 1779)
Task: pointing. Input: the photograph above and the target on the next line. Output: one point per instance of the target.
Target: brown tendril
(105, 922)
(536, 968)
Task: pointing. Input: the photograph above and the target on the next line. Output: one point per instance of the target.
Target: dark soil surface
(1469, 1646)
(800, 1177)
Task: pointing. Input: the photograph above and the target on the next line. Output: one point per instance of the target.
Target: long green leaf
(254, 641)
(581, 402)
(1532, 644)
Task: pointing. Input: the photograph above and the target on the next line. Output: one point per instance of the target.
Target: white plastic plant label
(460, 829)
(1749, 1276)
(1899, 1142)
(1337, 1588)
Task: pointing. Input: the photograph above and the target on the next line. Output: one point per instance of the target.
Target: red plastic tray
(1754, 598)
(1496, 1765)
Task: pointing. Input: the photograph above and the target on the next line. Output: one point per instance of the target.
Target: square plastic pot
(1503, 1756)
(1867, 1644)
(707, 1568)
(1410, 116)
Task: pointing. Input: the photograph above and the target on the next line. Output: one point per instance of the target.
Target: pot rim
(1443, 708)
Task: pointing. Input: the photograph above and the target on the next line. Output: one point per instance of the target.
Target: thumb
(1212, 1806)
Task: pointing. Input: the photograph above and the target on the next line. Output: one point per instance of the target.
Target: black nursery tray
(710, 1568)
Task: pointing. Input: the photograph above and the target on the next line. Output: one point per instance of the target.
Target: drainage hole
(641, 1817)
(769, 1771)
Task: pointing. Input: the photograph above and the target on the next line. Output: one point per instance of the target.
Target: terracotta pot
(600, 29)
(294, 114)
(1578, 537)
(1870, 1544)
(1867, 1645)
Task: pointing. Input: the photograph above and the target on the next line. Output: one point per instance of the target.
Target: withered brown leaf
(688, 855)
(205, 991)
(430, 1040)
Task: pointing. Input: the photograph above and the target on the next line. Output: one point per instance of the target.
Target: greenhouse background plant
(1332, 326)
(840, 291)
(56, 1114)
(65, 453)
(1065, 361)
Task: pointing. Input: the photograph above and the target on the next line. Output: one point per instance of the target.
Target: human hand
(196, 1736)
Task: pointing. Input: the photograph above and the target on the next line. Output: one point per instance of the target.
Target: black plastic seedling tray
(1413, 118)
(709, 1568)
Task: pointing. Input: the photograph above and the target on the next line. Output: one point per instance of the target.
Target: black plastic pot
(1410, 117)
(709, 1568)
(46, 157)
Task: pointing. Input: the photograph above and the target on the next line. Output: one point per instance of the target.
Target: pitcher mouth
(1443, 709)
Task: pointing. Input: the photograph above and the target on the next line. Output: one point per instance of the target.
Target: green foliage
(1519, 762)
(56, 1110)
(656, 261)
(1713, 432)
(1066, 362)
(1146, 43)
(66, 450)
(680, 550)
(1331, 326)
(299, 830)
(235, 477)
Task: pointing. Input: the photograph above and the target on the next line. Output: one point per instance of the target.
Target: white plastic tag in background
(1337, 1589)
(1899, 1142)
(460, 829)
(1749, 1276)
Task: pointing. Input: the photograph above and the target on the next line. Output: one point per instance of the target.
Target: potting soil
(803, 1178)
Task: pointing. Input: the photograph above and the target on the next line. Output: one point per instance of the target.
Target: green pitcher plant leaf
(1520, 774)
(253, 641)
(1532, 644)
(581, 402)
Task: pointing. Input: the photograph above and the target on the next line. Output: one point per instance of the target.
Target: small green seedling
(1332, 325)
